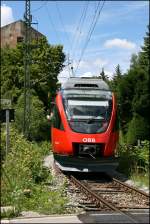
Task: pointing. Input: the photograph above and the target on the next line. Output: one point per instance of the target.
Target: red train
(84, 130)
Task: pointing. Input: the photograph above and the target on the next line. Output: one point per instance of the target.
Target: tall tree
(46, 63)
(118, 72)
(133, 95)
(144, 54)
(141, 100)
(104, 77)
(116, 79)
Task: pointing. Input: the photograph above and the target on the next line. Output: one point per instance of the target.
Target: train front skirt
(83, 164)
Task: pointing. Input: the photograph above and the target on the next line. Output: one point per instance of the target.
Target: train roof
(85, 83)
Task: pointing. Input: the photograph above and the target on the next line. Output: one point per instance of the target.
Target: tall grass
(24, 179)
(134, 160)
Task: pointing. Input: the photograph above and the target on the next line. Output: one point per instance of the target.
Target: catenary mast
(27, 61)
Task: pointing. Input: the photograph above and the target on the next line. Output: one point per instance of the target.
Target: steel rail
(99, 200)
(130, 187)
(95, 196)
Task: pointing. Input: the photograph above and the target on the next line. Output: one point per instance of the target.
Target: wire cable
(90, 33)
(37, 9)
(79, 28)
(51, 21)
(61, 20)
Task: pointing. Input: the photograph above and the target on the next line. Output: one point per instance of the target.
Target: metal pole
(7, 131)
(27, 96)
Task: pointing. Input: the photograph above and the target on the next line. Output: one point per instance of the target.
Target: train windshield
(88, 116)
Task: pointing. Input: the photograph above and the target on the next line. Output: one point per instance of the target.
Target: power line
(37, 9)
(61, 20)
(60, 17)
(91, 25)
(51, 21)
(91, 31)
(88, 34)
(46, 76)
(79, 27)
(63, 26)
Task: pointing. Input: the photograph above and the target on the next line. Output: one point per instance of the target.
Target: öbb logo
(88, 139)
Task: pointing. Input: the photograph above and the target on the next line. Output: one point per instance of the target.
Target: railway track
(108, 194)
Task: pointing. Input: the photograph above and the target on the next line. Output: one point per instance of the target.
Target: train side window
(56, 120)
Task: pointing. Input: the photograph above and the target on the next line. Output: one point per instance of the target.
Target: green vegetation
(39, 127)
(25, 182)
(137, 129)
(134, 158)
(140, 179)
(133, 97)
(133, 93)
(132, 90)
(46, 63)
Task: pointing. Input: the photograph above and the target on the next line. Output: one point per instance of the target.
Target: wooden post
(7, 131)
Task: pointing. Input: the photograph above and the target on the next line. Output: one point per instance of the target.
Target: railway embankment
(27, 185)
(31, 184)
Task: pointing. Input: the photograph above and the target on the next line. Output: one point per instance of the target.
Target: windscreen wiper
(90, 120)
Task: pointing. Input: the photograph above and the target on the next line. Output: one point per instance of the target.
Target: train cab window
(56, 119)
(88, 116)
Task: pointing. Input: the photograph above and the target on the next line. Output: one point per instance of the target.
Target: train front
(84, 126)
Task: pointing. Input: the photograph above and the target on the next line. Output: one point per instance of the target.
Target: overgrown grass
(134, 162)
(24, 179)
(140, 179)
(10, 213)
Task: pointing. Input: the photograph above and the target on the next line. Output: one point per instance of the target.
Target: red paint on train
(67, 140)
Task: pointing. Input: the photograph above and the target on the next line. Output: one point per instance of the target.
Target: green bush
(23, 165)
(3, 144)
(44, 201)
(39, 127)
(134, 158)
(24, 179)
(137, 129)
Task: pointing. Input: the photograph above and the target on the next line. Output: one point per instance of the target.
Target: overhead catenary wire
(64, 29)
(95, 6)
(51, 21)
(89, 33)
(79, 28)
(37, 9)
(98, 11)
(53, 25)
(61, 21)
(91, 25)
(46, 76)
(51, 73)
